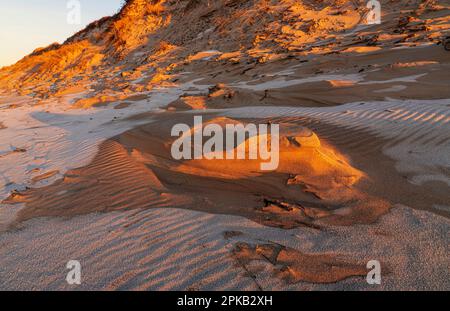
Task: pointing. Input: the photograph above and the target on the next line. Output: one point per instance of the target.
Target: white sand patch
(392, 89)
(410, 79)
(282, 82)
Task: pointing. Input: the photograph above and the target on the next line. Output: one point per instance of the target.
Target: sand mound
(313, 184)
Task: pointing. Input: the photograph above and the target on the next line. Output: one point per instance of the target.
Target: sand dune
(313, 183)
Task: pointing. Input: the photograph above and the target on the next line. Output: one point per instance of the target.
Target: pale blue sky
(28, 24)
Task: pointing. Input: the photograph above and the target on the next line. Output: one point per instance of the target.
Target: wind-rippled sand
(166, 248)
(68, 176)
(172, 249)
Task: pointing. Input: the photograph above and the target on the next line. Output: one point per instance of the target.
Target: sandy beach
(88, 173)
